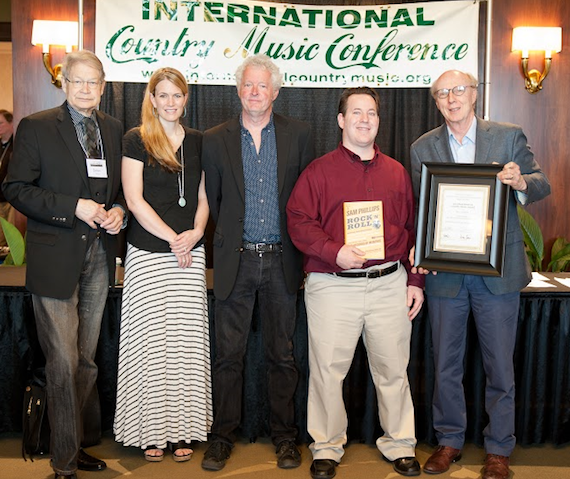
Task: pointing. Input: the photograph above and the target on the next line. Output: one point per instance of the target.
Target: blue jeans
(260, 276)
(68, 332)
(496, 318)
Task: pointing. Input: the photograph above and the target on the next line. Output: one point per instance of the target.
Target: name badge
(96, 168)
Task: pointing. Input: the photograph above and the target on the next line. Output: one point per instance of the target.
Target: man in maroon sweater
(350, 292)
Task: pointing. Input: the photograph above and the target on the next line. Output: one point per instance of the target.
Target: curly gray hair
(261, 61)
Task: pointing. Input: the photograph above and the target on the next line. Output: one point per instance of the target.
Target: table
(542, 367)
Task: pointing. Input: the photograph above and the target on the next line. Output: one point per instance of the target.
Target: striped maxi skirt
(164, 391)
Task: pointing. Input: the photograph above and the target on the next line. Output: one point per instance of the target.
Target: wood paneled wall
(544, 116)
(32, 87)
(33, 90)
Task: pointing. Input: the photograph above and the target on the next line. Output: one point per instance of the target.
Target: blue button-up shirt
(464, 152)
(262, 219)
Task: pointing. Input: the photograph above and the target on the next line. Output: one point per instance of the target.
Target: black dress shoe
(407, 466)
(288, 455)
(85, 462)
(216, 456)
(70, 476)
(323, 469)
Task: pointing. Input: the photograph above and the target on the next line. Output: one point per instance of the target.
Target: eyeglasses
(81, 83)
(456, 90)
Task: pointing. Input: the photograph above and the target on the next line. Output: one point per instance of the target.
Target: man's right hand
(90, 212)
(415, 270)
(350, 257)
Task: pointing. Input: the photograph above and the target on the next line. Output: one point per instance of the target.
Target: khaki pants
(339, 311)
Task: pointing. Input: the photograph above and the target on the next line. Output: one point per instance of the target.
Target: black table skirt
(542, 365)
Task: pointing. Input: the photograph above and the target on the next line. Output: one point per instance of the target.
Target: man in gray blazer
(66, 180)
(494, 301)
(252, 163)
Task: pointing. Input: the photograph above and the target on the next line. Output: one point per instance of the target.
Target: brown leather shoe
(496, 467)
(441, 459)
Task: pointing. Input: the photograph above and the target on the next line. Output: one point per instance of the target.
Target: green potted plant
(16, 243)
(534, 245)
(13, 270)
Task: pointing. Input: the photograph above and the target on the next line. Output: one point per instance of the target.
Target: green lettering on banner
(290, 17)
(401, 48)
(371, 16)
(433, 56)
(328, 19)
(238, 11)
(461, 51)
(388, 52)
(420, 18)
(190, 6)
(247, 44)
(160, 7)
(414, 52)
(124, 49)
(259, 13)
(402, 17)
(342, 53)
(368, 52)
(341, 19)
(145, 9)
(448, 51)
(212, 12)
(312, 14)
(282, 51)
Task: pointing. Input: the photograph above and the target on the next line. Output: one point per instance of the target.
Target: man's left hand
(511, 175)
(114, 221)
(415, 301)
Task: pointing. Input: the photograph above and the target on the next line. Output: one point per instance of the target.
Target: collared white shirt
(464, 152)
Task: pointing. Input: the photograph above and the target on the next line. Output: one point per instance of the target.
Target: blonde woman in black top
(164, 389)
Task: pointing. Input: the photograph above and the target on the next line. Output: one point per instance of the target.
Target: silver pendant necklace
(181, 181)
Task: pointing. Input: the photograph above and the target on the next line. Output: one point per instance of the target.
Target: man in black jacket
(252, 163)
(65, 176)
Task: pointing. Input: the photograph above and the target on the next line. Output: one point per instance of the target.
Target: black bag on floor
(35, 423)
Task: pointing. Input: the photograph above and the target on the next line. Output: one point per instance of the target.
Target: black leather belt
(263, 247)
(375, 273)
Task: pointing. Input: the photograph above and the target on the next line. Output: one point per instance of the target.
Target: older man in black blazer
(65, 177)
(494, 301)
(251, 164)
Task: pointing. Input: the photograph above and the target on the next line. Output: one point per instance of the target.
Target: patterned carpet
(257, 461)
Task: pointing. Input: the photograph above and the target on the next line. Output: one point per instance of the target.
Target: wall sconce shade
(527, 39)
(46, 33)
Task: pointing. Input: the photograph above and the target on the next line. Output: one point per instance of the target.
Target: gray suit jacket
(222, 163)
(46, 177)
(495, 143)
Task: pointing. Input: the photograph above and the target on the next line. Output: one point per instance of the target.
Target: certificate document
(462, 218)
(364, 227)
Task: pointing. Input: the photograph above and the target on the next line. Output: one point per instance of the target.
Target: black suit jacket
(222, 163)
(46, 178)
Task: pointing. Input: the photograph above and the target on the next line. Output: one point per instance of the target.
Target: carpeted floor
(257, 461)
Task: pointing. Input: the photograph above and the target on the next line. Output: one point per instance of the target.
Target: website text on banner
(393, 46)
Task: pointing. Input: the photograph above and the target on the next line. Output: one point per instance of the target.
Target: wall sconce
(46, 33)
(546, 39)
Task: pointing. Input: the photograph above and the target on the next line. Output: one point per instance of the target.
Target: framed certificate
(462, 219)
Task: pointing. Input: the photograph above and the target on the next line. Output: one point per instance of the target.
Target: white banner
(391, 46)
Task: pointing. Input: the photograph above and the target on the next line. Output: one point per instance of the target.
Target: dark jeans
(496, 318)
(68, 332)
(261, 276)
